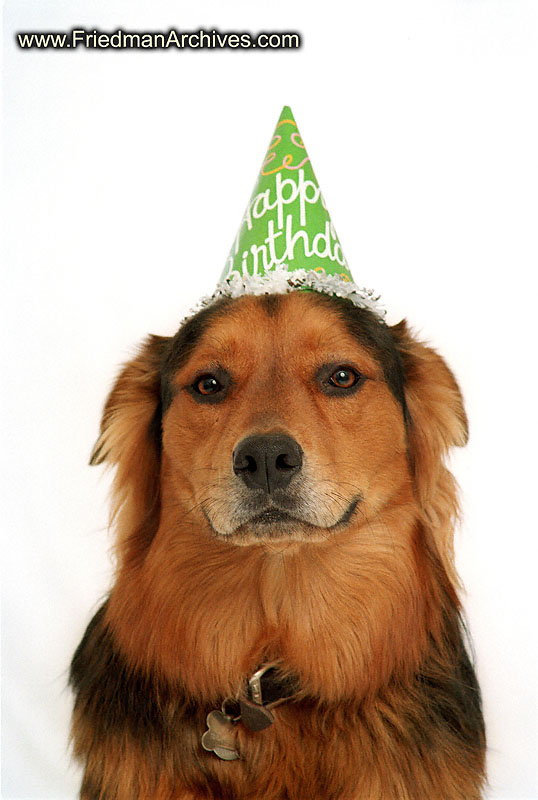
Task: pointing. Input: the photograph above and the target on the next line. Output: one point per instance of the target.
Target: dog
(284, 622)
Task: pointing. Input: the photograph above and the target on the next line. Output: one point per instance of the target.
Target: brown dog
(282, 506)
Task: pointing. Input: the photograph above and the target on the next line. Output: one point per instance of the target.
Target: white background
(127, 174)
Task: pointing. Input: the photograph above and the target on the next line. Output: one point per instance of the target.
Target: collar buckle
(255, 688)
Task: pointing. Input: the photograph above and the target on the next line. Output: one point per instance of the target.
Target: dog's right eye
(207, 385)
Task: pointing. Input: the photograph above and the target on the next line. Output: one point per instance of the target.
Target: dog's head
(278, 418)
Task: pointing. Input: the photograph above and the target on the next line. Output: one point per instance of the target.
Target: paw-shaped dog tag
(220, 736)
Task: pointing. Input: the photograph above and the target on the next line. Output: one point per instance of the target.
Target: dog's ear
(436, 422)
(435, 405)
(130, 441)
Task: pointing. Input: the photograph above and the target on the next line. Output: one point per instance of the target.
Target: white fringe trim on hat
(280, 280)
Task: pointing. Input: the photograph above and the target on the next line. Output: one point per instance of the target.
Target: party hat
(286, 239)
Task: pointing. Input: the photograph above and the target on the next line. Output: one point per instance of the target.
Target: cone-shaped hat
(286, 220)
(286, 239)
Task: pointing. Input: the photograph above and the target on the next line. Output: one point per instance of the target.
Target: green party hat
(286, 239)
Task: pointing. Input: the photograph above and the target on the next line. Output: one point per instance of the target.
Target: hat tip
(287, 113)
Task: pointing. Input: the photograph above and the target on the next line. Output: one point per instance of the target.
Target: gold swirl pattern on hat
(323, 271)
(297, 141)
(287, 161)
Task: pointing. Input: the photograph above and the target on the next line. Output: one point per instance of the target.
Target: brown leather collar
(266, 689)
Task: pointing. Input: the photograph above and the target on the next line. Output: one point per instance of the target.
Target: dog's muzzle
(274, 494)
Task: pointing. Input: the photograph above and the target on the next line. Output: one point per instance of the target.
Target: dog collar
(265, 690)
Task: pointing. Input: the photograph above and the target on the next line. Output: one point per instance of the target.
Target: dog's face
(280, 422)
(281, 417)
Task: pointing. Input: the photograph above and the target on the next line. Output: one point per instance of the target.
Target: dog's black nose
(267, 461)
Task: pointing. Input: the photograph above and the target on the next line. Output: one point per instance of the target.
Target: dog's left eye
(206, 385)
(344, 378)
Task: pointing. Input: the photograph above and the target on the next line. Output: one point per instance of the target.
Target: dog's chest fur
(392, 734)
(324, 617)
